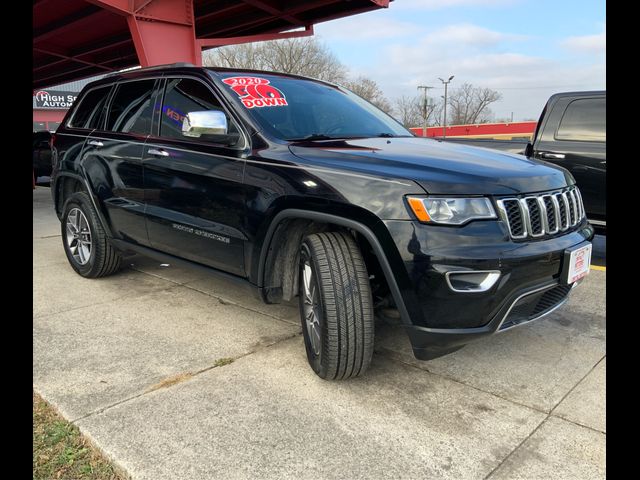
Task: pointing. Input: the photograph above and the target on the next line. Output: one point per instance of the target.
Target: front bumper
(441, 320)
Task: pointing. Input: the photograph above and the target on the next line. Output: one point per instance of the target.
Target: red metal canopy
(74, 39)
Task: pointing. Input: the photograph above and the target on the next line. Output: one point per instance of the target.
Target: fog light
(472, 281)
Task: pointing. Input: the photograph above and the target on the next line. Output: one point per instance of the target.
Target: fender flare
(361, 228)
(92, 196)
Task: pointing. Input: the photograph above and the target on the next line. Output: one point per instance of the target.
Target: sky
(525, 49)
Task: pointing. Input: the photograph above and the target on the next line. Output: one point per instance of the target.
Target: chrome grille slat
(550, 214)
(571, 215)
(535, 216)
(581, 203)
(556, 211)
(573, 205)
(544, 216)
(567, 211)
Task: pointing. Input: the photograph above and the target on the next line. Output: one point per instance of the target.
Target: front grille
(535, 305)
(543, 214)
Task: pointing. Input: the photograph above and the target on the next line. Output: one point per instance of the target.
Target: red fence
(486, 130)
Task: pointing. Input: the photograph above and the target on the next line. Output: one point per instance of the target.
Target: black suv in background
(41, 153)
(295, 187)
(572, 133)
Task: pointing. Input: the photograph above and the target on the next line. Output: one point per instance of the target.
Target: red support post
(163, 31)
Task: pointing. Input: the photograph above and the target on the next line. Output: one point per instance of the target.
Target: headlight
(451, 211)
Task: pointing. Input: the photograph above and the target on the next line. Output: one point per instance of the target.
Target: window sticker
(174, 115)
(256, 92)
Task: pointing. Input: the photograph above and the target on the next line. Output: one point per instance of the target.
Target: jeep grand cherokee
(295, 187)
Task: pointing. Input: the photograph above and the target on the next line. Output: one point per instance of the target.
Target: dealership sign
(54, 99)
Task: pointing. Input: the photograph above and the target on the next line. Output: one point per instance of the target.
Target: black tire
(103, 259)
(340, 299)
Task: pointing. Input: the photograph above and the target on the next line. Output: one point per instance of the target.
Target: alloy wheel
(79, 236)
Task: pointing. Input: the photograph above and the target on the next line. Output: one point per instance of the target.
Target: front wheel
(336, 308)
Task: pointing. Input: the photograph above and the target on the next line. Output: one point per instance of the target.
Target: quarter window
(584, 120)
(89, 111)
(131, 108)
(185, 95)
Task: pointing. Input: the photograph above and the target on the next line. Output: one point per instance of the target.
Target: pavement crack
(182, 377)
(516, 448)
(393, 357)
(575, 386)
(226, 301)
(169, 381)
(550, 414)
(222, 300)
(126, 295)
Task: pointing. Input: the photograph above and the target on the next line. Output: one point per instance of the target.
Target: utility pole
(444, 131)
(424, 108)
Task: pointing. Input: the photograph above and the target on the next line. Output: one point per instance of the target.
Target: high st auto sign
(54, 99)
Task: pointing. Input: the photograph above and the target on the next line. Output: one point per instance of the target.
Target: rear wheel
(85, 242)
(336, 308)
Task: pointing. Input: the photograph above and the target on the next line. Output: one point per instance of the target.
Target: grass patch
(60, 451)
(221, 362)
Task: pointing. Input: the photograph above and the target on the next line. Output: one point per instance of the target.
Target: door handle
(158, 153)
(96, 143)
(557, 156)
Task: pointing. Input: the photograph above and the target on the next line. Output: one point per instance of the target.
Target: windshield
(297, 109)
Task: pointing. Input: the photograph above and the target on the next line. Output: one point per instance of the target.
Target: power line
(533, 88)
(537, 88)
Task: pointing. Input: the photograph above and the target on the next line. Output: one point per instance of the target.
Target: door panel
(575, 134)
(113, 158)
(193, 187)
(114, 165)
(588, 165)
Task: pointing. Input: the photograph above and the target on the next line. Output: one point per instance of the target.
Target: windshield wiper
(313, 136)
(386, 135)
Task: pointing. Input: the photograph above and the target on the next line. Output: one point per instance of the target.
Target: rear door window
(584, 120)
(89, 111)
(131, 108)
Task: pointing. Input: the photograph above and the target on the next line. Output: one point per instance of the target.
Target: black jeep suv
(297, 187)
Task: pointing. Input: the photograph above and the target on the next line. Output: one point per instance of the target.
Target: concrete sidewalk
(139, 361)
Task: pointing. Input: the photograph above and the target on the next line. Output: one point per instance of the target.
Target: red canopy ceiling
(74, 39)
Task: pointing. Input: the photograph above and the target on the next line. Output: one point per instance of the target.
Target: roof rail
(154, 67)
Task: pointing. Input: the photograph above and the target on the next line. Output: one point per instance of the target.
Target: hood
(439, 167)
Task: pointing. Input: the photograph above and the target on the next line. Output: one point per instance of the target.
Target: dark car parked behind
(41, 153)
(572, 133)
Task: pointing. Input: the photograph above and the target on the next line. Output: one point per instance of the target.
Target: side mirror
(209, 122)
(528, 150)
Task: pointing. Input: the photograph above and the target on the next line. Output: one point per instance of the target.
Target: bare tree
(370, 91)
(300, 56)
(469, 104)
(407, 111)
(411, 111)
